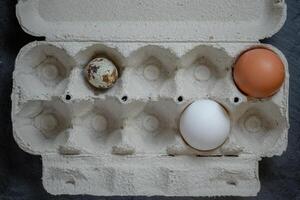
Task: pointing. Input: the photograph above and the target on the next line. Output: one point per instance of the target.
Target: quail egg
(101, 73)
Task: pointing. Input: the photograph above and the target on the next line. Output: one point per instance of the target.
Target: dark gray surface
(20, 173)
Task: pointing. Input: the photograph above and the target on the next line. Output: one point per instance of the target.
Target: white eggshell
(205, 125)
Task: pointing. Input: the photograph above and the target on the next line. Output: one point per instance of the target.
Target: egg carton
(126, 140)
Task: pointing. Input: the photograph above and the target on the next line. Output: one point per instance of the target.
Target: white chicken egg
(205, 125)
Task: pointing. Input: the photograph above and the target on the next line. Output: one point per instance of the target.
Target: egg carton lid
(166, 176)
(152, 20)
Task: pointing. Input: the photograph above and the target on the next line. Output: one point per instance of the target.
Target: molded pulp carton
(126, 141)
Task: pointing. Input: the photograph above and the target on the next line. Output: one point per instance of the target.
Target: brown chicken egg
(259, 73)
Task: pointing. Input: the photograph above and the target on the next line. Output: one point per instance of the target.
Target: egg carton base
(151, 175)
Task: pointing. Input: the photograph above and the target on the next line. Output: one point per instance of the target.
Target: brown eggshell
(259, 73)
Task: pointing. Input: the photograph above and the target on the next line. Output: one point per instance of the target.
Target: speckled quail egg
(101, 73)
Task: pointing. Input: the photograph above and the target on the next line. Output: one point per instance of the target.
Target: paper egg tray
(125, 140)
